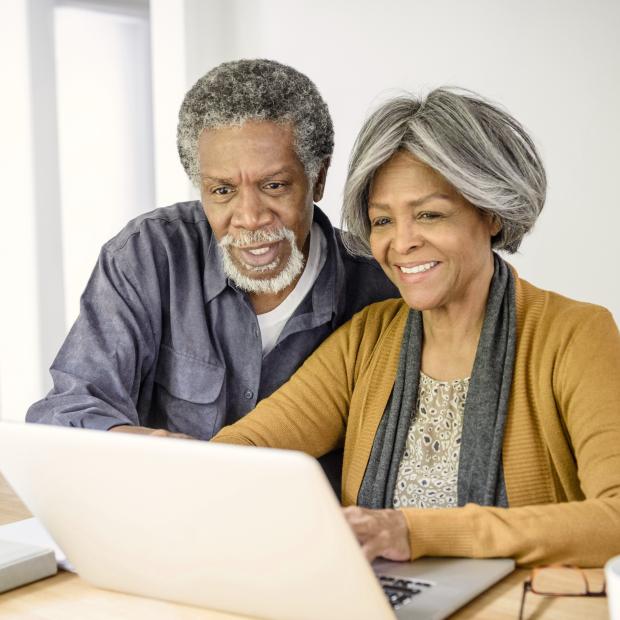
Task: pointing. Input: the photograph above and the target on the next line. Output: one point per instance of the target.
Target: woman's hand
(381, 533)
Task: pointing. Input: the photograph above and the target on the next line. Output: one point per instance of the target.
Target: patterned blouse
(428, 471)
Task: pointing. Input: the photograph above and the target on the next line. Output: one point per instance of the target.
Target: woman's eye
(380, 221)
(429, 215)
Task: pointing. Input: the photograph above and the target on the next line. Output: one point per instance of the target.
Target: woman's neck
(452, 332)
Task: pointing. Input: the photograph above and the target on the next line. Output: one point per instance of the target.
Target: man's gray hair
(235, 92)
(480, 149)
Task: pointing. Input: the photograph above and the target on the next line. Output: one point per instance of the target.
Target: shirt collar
(325, 297)
(214, 279)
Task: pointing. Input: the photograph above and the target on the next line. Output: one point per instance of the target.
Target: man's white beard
(285, 278)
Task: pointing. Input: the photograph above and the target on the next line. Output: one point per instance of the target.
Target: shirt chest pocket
(188, 395)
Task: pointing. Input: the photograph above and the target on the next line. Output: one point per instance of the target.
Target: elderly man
(195, 312)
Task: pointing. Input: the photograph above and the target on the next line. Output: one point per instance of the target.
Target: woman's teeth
(419, 268)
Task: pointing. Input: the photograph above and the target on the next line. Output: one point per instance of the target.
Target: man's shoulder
(365, 281)
(162, 224)
(353, 259)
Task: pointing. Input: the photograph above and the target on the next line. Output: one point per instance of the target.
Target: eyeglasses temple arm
(526, 587)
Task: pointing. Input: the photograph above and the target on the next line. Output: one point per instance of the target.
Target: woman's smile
(414, 272)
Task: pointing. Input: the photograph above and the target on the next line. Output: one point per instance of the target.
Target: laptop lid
(253, 531)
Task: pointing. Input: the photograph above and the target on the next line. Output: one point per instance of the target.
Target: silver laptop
(252, 531)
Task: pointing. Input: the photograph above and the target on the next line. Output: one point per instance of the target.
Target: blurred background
(91, 91)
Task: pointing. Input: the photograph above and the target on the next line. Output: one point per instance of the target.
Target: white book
(31, 532)
(21, 563)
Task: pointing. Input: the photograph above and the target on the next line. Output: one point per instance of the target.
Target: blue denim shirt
(164, 340)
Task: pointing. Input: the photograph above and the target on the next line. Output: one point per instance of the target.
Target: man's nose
(250, 212)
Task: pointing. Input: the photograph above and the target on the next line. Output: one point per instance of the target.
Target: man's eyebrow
(275, 173)
(225, 180)
(230, 181)
(412, 203)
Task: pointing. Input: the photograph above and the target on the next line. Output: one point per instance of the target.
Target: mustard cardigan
(561, 450)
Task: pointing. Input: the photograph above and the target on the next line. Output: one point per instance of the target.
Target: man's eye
(221, 191)
(274, 185)
(380, 221)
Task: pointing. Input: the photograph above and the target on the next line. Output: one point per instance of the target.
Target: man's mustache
(253, 237)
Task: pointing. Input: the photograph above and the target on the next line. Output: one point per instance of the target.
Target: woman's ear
(319, 184)
(495, 224)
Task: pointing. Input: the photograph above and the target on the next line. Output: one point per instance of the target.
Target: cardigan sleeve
(310, 411)
(586, 386)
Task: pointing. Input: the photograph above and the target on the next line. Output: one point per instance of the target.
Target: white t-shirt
(272, 323)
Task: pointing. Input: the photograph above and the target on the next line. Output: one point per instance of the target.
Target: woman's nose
(406, 237)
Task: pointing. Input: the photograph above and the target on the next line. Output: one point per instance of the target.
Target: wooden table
(66, 597)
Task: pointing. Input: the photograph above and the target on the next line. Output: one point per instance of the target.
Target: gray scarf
(480, 477)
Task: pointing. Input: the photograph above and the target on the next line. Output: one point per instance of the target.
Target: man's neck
(266, 302)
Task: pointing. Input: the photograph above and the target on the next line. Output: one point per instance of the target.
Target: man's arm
(97, 373)
(145, 430)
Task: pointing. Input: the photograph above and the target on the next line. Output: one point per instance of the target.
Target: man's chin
(263, 284)
(270, 278)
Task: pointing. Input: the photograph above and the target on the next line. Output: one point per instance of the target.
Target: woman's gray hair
(480, 149)
(235, 92)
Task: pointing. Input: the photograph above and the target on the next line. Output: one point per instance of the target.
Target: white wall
(31, 307)
(187, 38)
(554, 64)
(105, 129)
(77, 123)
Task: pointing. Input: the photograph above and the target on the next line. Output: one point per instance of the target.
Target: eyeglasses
(556, 580)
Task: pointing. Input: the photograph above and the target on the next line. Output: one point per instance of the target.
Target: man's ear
(319, 184)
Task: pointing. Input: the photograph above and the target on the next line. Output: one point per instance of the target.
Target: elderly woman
(480, 415)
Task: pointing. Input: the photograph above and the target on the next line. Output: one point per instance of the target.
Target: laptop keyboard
(400, 591)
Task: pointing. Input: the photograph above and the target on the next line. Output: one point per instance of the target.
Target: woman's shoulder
(375, 331)
(551, 311)
(373, 324)
(381, 314)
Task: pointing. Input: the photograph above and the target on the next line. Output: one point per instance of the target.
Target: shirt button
(248, 394)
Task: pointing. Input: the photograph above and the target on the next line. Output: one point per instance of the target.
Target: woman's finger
(380, 532)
